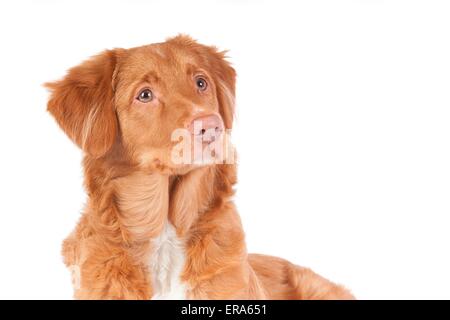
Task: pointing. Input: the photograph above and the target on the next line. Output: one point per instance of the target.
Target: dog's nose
(203, 124)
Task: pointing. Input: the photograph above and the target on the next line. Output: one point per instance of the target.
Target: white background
(343, 113)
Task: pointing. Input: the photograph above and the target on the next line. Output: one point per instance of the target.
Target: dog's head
(143, 102)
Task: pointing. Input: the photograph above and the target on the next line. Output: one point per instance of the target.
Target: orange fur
(134, 188)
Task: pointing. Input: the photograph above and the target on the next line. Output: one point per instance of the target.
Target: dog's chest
(166, 265)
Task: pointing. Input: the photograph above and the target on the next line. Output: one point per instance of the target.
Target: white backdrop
(343, 113)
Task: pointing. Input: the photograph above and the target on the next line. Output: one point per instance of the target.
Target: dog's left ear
(83, 103)
(225, 79)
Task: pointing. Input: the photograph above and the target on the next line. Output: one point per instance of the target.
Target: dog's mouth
(208, 136)
(202, 146)
(206, 128)
(208, 145)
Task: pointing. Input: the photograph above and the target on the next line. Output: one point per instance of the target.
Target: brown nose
(200, 125)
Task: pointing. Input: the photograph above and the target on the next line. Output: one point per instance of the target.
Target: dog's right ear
(83, 103)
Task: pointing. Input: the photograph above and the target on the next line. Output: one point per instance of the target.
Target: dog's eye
(201, 84)
(145, 96)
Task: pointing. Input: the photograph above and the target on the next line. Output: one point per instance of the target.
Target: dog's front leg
(111, 273)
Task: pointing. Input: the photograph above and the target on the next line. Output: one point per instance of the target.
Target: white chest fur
(166, 265)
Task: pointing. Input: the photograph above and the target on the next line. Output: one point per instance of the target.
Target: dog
(158, 226)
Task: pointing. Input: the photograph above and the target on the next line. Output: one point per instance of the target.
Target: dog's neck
(133, 206)
(147, 201)
(143, 202)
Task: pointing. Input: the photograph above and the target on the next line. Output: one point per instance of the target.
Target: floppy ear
(83, 103)
(225, 79)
